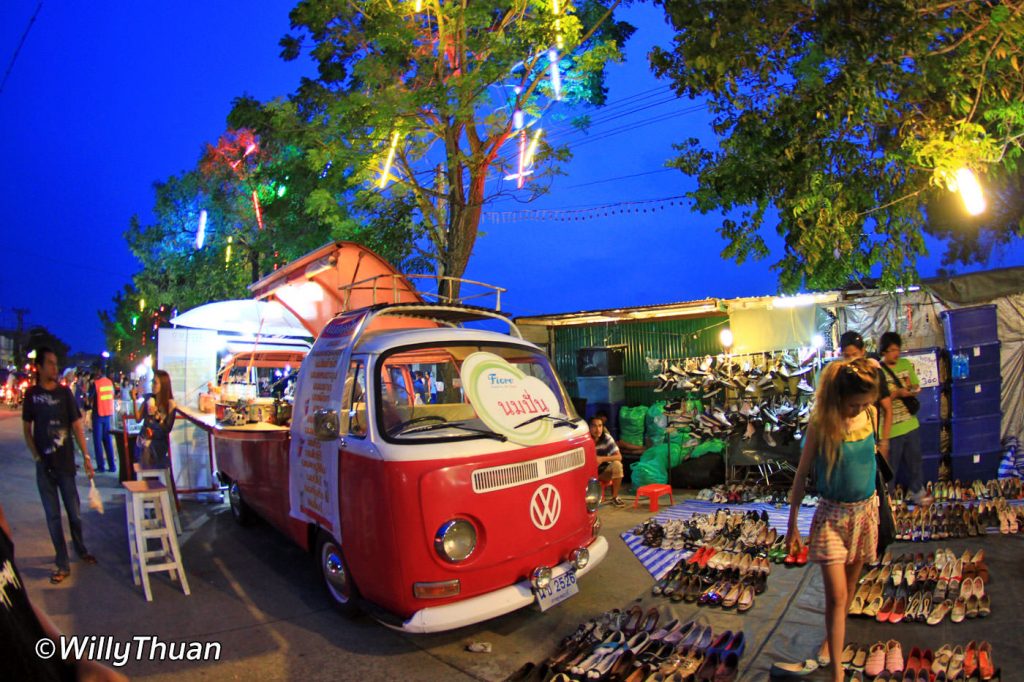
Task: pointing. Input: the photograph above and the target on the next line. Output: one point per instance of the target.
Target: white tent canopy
(247, 316)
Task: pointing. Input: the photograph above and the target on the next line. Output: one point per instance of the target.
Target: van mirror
(326, 425)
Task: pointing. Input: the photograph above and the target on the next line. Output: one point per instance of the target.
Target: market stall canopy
(261, 318)
(336, 278)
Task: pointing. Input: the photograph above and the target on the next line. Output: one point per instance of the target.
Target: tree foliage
(437, 87)
(847, 120)
(179, 271)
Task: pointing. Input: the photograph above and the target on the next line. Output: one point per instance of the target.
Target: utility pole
(19, 334)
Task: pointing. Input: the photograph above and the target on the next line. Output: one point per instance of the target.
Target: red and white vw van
(438, 474)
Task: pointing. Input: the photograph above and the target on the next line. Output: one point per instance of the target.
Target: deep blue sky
(104, 101)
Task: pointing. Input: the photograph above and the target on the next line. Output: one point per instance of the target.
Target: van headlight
(593, 497)
(455, 540)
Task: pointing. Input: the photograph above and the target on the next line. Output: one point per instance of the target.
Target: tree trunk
(463, 226)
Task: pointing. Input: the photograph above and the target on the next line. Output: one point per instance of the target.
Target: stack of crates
(973, 343)
(932, 367)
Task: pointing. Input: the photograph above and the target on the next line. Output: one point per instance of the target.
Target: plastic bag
(631, 424)
(95, 499)
(655, 423)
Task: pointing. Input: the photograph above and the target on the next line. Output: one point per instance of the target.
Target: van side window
(353, 401)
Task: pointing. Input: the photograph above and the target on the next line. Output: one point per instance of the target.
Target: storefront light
(725, 338)
(818, 341)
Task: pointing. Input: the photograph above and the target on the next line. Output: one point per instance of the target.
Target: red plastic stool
(652, 492)
(605, 485)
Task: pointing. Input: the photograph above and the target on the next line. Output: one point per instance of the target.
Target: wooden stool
(652, 492)
(161, 475)
(151, 496)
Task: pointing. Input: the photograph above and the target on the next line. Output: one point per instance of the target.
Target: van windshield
(423, 395)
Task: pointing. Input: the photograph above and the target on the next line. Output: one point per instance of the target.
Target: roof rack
(388, 287)
(446, 315)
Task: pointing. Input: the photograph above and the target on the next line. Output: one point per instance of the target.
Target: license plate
(560, 589)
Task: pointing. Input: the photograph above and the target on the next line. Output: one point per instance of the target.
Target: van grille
(511, 475)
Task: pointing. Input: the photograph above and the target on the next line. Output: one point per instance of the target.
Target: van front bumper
(493, 604)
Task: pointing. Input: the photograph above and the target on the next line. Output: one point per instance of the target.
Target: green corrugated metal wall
(663, 339)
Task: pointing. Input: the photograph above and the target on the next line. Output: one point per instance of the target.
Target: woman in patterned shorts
(840, 446)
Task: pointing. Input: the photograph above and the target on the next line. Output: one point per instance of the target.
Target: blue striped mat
(659, 562)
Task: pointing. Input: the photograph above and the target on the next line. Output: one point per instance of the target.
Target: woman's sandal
(59, 576)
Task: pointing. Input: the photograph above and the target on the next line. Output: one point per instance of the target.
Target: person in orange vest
(101, 396)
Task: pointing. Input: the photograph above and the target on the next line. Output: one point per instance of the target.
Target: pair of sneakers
(617, 501)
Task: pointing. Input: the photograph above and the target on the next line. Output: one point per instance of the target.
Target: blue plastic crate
(931, 404)
(929, 468)
(983, 363)
(976, 399)
(966, 327)
(931, 437)
(981, 466)
(978, 434)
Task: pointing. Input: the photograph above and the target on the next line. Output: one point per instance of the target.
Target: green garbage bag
(707, 447)
(645, 473)
(631, 424)
(655, 423)
(655, 463)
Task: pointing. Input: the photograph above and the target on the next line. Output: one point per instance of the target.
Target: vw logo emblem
(545, 506)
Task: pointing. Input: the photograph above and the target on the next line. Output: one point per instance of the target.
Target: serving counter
(207, 421)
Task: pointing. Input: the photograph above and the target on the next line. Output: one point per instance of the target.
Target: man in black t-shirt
(50, 417)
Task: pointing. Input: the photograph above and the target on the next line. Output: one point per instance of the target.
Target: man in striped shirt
(609, 459)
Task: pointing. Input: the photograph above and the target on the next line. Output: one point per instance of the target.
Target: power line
(621, 177)
(17, 50)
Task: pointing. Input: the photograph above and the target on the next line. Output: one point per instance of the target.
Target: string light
(201, 230)
(557, 10)
(256, 206)
(227, 253)
(387, 163)
(556, 74)
(533, 147)
(522, 159)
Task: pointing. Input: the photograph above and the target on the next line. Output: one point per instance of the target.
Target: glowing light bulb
(818, 341)
(725, 338)
(970, 191)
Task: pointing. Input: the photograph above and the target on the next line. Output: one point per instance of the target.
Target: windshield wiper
(559, 421)
(486, 433)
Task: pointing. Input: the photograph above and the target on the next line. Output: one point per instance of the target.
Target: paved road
(257, 595)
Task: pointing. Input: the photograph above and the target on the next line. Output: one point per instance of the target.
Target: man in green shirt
(905, 436)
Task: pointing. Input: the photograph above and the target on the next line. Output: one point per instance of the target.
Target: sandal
(59, 576)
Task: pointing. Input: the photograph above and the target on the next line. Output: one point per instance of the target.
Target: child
(840, 445)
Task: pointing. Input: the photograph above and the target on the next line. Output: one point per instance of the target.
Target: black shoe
(617, 501)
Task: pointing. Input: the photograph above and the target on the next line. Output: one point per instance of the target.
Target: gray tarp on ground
(915, 315)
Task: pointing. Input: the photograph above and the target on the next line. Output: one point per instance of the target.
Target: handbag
(912, 404)
(883, 474)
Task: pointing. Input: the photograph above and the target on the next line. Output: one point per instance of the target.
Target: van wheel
(239, 509)
(335, 575)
